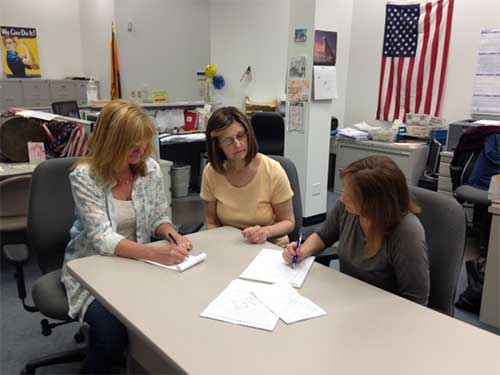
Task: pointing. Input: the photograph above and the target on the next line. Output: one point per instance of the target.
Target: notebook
(190, 261)
(269, 267)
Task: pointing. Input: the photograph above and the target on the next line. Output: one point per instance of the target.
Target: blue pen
(295, 258)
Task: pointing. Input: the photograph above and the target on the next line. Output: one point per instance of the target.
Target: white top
(126, 219)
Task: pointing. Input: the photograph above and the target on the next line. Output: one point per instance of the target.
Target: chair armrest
(17, 254)
(189, 228)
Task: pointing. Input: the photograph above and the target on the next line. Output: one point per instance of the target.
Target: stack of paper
(190, 261)
(287, 303)
(269, 267)
(238, 305)
(260, 305)
(353, 134)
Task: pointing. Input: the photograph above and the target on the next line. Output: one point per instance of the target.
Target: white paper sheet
(287, 303)
(191, 260)
(238, 305)
(269, 267)
(325, 82)
(37, 114)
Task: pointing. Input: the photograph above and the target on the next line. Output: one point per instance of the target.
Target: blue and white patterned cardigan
(94, 230)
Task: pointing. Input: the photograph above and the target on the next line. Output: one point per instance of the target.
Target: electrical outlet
(316, 189)
(139, 93)
(132, 94)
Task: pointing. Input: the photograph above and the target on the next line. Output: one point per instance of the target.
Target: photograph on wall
(300, 35)
(297, 90)
(296, 117)
(325, 47)
(20, 52)
(297, 69)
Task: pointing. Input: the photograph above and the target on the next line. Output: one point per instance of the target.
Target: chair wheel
(79, 337)
(46, 330)
(26, 371)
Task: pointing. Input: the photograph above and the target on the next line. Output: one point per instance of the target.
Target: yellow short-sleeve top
(242, 207)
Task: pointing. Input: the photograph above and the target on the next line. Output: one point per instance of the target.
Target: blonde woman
(120, 204)
(381, 241)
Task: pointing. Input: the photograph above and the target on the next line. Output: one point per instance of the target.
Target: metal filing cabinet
(36, 93)
(11, 94)
(62, 90)
(410, 158)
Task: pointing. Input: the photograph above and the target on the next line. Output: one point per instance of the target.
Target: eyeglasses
(229, 141)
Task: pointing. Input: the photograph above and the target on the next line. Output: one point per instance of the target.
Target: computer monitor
(67, 108)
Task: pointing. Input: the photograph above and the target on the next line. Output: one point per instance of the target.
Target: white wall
(365, 56)
(254, 33)
(336, 15)
(95, 24)
(58, 27)
(169, 43)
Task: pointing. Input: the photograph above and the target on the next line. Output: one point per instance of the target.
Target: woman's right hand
(289, 252)
(169, 255)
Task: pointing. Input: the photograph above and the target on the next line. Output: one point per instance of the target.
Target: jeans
(107, 339)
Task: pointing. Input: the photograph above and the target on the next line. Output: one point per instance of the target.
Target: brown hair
(220, 120)
(121, 126)
(379, 188)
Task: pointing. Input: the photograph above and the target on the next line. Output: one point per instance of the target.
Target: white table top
(15, 169)
(366, 330)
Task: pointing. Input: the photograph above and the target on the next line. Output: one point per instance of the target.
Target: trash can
(181, 174)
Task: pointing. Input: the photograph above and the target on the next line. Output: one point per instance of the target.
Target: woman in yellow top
(241, 187)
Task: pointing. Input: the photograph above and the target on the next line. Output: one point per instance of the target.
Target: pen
(173, 239)
(299, 243)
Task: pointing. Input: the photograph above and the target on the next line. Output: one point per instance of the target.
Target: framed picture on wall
(300, 35)
(325, 47)
(20, 52)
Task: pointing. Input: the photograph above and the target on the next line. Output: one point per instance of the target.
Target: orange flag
(116, 89)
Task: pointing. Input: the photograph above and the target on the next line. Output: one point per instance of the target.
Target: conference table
(366, 330)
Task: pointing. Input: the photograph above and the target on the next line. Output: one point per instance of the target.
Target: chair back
(14, 196)
(444, 222)
(51, 212)
(269, 129)
(67, 108)
(293, 177)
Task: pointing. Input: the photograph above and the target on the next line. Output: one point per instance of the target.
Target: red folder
(190, 120)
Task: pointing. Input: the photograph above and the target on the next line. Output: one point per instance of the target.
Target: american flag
(414, 58)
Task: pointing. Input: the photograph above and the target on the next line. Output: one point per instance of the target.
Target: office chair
(429, 180)
(50, 217)
(14, 197)
(269, 129)
(67, 108)
(444, 224)
(293, 177)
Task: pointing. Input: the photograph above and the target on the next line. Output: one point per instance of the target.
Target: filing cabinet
(29, 93)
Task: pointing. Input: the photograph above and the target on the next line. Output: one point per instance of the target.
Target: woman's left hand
(255, 234)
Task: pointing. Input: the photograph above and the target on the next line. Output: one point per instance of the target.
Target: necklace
(125, 180)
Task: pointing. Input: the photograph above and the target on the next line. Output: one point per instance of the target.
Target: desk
(490, 301)
(15, 169)
(366, 330)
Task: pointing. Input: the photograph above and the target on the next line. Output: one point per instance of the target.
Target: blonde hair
(121, 126)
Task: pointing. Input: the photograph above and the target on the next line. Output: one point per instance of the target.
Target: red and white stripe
(416, 84)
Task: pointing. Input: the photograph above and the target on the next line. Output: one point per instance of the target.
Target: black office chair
(50, 217)
(269, 129)
(429, 180)
(444, 223)
(67, 108)
(293, 177)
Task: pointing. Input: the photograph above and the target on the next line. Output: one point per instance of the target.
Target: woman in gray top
(381, 241)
